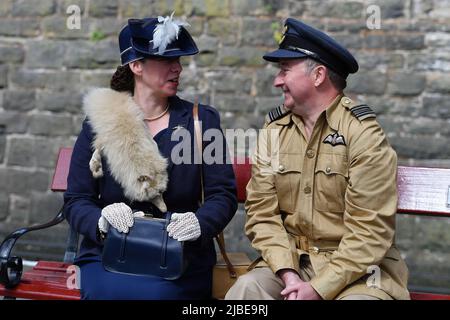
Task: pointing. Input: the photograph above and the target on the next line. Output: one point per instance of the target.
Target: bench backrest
(421, 191)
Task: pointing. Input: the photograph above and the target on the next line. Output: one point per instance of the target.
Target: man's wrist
(288, 275)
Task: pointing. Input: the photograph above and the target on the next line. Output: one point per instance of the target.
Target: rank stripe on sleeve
(363, 112)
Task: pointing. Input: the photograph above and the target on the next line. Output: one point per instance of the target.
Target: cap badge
(284, 35)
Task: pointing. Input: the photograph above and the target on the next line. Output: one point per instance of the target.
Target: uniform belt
(315, 246)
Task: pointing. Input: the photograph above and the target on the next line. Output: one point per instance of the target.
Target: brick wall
(45, 68)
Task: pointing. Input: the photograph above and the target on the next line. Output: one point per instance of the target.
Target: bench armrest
(11, 267)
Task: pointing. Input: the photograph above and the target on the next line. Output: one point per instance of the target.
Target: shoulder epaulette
(276, 114)
(362, 112)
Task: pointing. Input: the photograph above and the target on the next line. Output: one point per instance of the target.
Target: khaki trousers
(263, 284)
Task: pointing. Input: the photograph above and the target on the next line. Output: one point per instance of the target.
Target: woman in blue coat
(129, 157)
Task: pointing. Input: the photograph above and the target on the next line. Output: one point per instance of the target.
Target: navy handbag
(146, 250)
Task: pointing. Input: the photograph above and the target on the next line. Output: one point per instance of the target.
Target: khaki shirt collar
(332, 112)
(285, 120)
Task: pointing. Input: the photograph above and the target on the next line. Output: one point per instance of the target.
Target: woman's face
(161, 75)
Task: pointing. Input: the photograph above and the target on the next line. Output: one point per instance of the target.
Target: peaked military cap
(155, 37)
(301, 41)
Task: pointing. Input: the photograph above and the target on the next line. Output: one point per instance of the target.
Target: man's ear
(320, 74)
(136, 67)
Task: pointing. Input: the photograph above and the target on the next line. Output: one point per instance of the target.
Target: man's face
(294, 80)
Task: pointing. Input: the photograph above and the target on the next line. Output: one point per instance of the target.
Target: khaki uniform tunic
(333, 198)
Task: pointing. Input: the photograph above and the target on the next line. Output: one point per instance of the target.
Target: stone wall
(45, 68)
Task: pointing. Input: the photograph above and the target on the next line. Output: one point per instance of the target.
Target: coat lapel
(180, 118)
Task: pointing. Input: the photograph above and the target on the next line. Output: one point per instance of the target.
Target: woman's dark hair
(123, 79)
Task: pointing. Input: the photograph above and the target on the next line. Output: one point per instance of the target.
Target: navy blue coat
(86, 196)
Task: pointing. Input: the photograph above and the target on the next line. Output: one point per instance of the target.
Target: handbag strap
(220, 238)
(163, 260)
(198, 139)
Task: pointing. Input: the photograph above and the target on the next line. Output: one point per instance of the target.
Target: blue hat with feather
(155, 37)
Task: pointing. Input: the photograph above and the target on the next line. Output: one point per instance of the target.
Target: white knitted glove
(184, 227)
(118, 215)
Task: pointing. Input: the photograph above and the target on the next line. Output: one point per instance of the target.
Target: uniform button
(310, 153)
(307, 190)
(281, 168)
(328, 170)
(347, 101)
(315, 250)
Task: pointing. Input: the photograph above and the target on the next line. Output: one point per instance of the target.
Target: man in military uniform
(321, 210)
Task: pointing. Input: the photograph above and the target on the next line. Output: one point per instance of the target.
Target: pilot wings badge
(335, 139)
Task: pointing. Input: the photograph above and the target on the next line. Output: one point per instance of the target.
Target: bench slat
(242, 171)
(423, 191)
(59, 181)
(52, 266)
(47, 280)
(40, 291)
(428, 296)
(45, 276)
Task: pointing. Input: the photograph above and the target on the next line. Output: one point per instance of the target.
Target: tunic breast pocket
(287, 180)
(331, 179)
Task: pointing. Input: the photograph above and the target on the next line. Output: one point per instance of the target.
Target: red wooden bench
(422, 191)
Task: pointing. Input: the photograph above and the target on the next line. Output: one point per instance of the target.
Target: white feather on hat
(165, 32)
